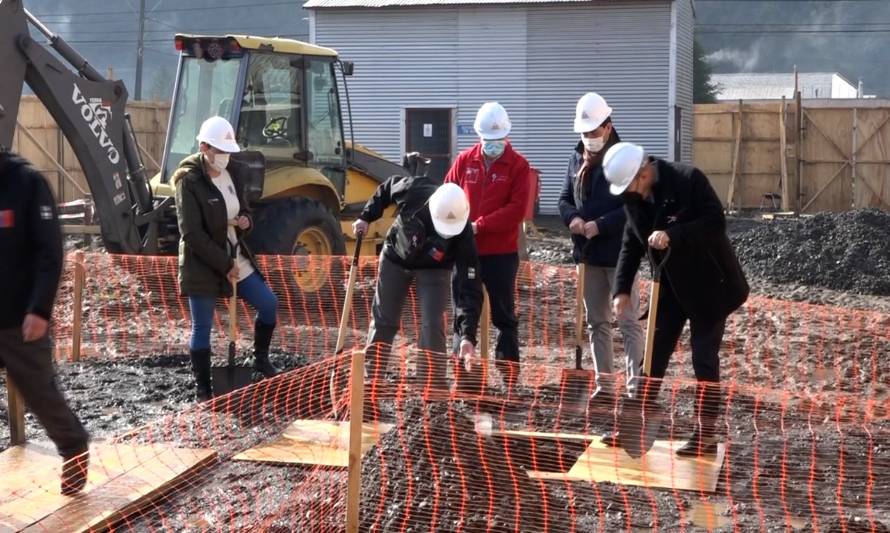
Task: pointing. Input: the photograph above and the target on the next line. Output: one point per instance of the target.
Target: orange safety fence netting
(804, 420)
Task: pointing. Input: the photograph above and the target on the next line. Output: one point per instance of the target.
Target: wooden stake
(485, 326)
(356, 414)
(79, 278)
(16, 407)
(783, 158)
(854, 151)
(730, 197)
(797, 186)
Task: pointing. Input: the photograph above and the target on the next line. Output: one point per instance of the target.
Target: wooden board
(122, 480)
(659, 468)
(314, 442)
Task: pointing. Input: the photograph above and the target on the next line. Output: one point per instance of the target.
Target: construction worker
(496, 180)
(672, 206)
(429, 238)
(31, 247)
(596, 220)
(213, 217)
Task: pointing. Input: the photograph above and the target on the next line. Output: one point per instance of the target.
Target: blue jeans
(252, 288)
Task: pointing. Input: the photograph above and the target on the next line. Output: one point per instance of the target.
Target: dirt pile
(840, 251)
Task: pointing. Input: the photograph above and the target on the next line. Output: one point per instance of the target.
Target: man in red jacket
(496, 180)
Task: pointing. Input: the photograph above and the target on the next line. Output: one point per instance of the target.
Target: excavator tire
(298, 226)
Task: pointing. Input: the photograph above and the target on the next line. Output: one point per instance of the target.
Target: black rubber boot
(74, 473)
(707, 409)
(201, 371)
(262, 338)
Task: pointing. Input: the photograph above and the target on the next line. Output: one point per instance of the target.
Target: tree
(704, 91)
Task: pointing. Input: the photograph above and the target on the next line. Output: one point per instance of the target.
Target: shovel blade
(576, 387)
(639, 426)
(226, 379)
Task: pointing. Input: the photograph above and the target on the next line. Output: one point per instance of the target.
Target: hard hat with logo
(449, 209)
(590, 112)
(492, 122)
(218, 133)
(621, 164)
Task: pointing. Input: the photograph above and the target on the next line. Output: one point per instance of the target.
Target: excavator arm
(91, 112)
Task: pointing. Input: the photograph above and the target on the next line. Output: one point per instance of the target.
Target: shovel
(641, 418)
(231, 377)
(344, 317)
(575, 383)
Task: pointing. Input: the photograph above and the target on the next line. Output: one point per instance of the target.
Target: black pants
(30, 366)
(706, 337)
(499, 278)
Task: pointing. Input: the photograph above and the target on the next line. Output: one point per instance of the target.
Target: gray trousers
(433, 287)
(598, 304)
(30, 366)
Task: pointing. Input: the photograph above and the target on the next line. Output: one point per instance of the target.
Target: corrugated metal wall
(685, 28)
(536, 60)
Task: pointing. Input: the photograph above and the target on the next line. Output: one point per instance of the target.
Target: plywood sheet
(122, 479)
(659, 468)
(314, 442)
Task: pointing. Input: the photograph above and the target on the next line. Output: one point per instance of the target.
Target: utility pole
(140, 50)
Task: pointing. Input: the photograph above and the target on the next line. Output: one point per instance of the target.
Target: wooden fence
(807, 156)
(39, 139)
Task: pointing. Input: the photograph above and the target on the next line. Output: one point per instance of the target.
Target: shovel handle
(233, 319)
(654, 293)
(347, 302)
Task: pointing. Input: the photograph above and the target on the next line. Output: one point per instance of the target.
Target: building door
(428, 131)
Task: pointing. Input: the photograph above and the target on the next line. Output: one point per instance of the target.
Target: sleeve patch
(46, 212)
(471, 273)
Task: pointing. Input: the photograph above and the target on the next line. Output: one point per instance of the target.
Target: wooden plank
(15, 406)
(122, 481)
(827, 186)
(730, 196)
(783, 159)
(314, 442)
(659, 468)
(81, 229)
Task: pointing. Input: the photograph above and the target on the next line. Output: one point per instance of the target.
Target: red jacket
(498, 197)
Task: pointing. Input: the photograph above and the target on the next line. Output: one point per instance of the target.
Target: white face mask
(594, 145)
(220, 162)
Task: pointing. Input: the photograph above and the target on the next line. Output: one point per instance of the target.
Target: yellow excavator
(282, 96)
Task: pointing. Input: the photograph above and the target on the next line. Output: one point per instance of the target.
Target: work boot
(707, 408)
(611, 439)
(262, 338)
(509, 374)
(201, 371)
(602, 402)
(74, 473)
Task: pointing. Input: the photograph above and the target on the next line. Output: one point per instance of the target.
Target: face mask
(594, 145)
(493, 149)
(220, 162)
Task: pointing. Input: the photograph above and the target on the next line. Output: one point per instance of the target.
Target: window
(270, 120)
(323, 116)
(205, 89)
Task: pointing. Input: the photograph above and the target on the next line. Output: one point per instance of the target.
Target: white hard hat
(449, 209)
(218, 133)
(621, 164)
(590, 112)
(492, 122)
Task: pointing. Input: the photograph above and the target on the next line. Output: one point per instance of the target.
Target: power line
(169, 10)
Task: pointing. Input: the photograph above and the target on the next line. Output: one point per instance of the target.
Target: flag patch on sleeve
(7, 219)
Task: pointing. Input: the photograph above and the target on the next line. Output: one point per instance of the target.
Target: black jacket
(412, 243)
(703, 271)
(205, 256)
(593, 201)
(30, 243)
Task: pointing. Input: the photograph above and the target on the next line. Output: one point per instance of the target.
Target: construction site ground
(768, 483)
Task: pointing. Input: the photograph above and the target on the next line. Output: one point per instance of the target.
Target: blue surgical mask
(493, 149)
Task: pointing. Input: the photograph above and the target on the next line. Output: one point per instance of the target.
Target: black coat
(703, 271)
(205, 256)
(30, 243)
(593, 201)
(415, 225)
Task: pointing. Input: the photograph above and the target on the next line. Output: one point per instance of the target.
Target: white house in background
(758, 86)
(423, 68)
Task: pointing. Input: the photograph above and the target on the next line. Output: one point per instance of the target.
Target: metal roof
(772, 86)
(325, 4)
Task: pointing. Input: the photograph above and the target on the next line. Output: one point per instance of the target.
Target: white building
(757, 86)
(423, 68)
